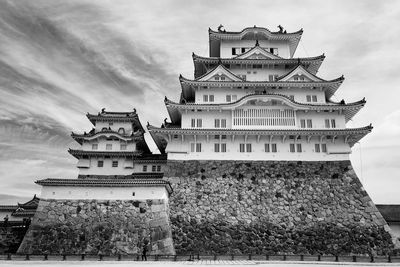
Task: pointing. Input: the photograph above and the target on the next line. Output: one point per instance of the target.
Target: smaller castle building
(117, 205)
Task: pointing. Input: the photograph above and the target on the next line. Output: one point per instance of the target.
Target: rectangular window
(314, 98)
(303, 123)
(298, 146)
(248, 147)
(223, 123)
(273, 148)
(271, 78)
(199, 123)
(241, 148)
(317, 148)
(108, 146)
(216, 147)
(266, 148)
(216, 78)
(192, 147)
(308, 98)
(100, 163)
(333, 123)
(228, 98)
(216, 136)
(95, 146)
(198, 147)
(115, 163)
(222, 79)
(327, 125)
(223, 136)
(292, 148)
(153, 168)
(223, 147)
(144, 168)
(233, 51)
(216, 123)
(257, 66)
(309, 123)
(323, 148)
(211, 97)
(193, 123)
(123, 147)
(158, 168)
(205, 98)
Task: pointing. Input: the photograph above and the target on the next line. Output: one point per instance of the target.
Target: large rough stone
(266, 207)
(99, 227)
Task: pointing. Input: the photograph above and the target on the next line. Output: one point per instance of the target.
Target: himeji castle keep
(254, 159)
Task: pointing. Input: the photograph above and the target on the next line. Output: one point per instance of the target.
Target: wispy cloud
(61, 59)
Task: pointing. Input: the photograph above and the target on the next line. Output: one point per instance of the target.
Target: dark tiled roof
(210, 31)
(139, 175)
(80, 137)
(77, 153)
(391, 213)
(106, 183)
(8, 207)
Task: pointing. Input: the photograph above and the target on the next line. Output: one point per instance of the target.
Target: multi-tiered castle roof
(251, 99)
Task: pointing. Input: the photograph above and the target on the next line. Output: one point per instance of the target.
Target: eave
(106, 183)
(352, 135)
(106, 133)
(349, 109)
(311, 63)
(330, 87)
(115, 117)
(79, 153)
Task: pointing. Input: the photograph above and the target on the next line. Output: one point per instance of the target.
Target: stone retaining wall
(99, 227)
(267, 207)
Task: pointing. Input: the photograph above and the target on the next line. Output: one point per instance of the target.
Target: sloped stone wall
(99, 227)
(11, 238)
(269, 207)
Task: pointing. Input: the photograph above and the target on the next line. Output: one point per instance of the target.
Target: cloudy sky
(61, 59)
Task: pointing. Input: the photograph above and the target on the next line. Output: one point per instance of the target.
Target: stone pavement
(187, 263)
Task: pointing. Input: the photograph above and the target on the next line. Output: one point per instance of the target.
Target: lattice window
(263, 117)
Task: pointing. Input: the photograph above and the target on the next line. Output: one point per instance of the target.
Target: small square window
(216, 147)
(308, 98)
(323, 148)
(153, 168)
(228, 98)
(273, 148)
(292, 148)
(115, 163)
(133, 194)
(317, 148)
(158, 168)
(123, 146)
(108, 146)
(223, 147)
(211, 97)
(144, 168)
(100, 163)
(205, 98)
(314, 98)
(298, 146)
(266, 148)
(95, 146)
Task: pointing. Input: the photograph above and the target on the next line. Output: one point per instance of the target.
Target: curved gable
(257, 53)
(299, 74)
(220, 73)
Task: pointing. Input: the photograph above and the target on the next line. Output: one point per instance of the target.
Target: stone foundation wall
(268, 207)
(11, 238)
(99, 227)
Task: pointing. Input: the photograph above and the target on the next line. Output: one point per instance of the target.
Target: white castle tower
(251, 100)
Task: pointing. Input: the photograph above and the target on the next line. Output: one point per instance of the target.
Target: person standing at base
(144, 251)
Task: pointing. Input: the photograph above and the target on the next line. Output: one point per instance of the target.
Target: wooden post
(45, 257)
(354, 258)
(119, 257)
(82, 257)
(319, 257)
(9, 256)
(27, 257)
